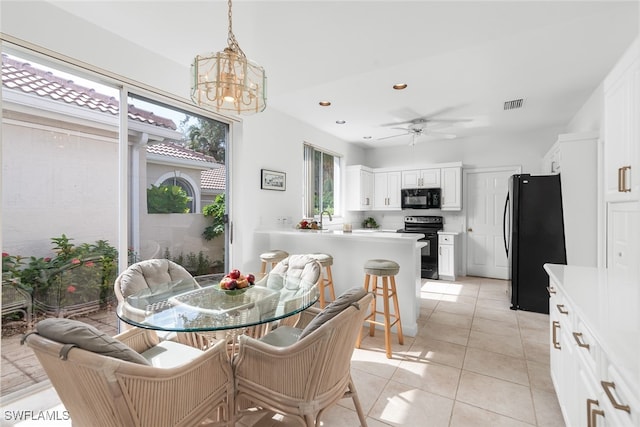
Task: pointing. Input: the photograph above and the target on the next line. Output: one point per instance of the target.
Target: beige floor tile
(496, 395)
(437, 351)
(456, 307)
(470, 416)
(339, 416)
(531, 320)
(368, 387)
(536, 350)
(493, 292)
(540, 376)
(452, 319)
(497, 365)
(402, 405)
(493, 304)
(509, 345)
(428, 376)
(535, 335)
(373, 361)
(500, 314)
(444, 333)
(547, 409)
(496, 327)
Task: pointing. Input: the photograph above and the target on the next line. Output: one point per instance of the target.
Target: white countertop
(609, 306)
(355, 234)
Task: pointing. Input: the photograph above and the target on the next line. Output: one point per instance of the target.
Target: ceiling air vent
(513, 104)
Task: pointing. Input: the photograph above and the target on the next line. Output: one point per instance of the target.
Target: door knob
(469, 229)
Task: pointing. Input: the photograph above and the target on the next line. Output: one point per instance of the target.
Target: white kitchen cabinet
(421, 178)
(551, 162)
(448, 258)
(359, 188)
(451, 188)
(622, 128)
(623, 237)
(594, 346)
(386, 190)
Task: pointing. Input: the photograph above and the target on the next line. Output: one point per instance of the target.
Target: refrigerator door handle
(504, 223)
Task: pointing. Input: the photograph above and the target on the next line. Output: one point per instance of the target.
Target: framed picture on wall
(273, 180)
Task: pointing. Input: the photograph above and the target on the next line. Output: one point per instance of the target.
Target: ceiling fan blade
(392, 136)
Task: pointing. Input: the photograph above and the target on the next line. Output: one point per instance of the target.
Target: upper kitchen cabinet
(451, 188)
(421, 178)
(622, 128)
(386, 190)
(359, 188)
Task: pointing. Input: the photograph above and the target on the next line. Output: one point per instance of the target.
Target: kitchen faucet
(321, 214)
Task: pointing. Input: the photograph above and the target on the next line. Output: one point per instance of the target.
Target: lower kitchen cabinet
(594, 346)
(448, 258)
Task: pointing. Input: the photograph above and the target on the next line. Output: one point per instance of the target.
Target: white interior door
(486, 192)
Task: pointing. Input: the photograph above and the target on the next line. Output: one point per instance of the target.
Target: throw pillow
(86, 337)
(332, 310)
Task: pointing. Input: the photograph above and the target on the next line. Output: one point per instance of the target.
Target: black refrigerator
(533, 235)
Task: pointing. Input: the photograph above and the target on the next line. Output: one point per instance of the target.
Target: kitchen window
(322, 182)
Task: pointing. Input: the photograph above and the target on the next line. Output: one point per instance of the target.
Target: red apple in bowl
(234, 274)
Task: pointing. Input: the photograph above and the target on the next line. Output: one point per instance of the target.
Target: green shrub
(167, 199)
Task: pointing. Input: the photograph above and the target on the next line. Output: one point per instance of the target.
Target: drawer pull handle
(556, 326)
(561, 309)
(607, 386)
(592, 412)
(578, 337)
(622, 179)
(551, 290)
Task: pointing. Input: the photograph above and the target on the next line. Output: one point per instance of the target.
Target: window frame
(309, 181)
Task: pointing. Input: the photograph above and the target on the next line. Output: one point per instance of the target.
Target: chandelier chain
(231, 38)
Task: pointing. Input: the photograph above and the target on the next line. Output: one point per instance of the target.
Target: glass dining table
(186, 306)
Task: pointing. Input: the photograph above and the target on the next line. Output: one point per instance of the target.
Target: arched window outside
(186, 186)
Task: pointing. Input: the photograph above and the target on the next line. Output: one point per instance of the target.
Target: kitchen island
(350, 250)
(595, 342)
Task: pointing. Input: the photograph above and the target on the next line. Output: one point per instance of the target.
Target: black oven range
(429, 226)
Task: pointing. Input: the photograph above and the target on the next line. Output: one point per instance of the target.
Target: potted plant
(370, 222)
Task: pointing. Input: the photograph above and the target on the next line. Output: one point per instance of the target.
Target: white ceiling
(461, 60)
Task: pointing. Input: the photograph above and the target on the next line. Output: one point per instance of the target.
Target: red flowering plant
(73, 276)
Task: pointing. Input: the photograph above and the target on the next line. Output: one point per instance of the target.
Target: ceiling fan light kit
(227, 81)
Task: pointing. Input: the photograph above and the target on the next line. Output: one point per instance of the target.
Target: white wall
(272, 140)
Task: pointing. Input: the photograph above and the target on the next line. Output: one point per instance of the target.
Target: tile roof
(213, 179)
(23, 76)
(177, 151)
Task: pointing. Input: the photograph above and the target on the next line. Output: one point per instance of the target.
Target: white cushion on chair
(169, 354)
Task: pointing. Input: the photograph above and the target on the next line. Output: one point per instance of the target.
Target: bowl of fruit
(235, 283)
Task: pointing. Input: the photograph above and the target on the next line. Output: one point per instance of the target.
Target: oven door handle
(504, 223)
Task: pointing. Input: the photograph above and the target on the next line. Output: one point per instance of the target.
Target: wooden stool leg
(330, 283)
(366, 288)
(321, 289)
(387, 318)
(397, 310)
(374, 288)
(263, 268)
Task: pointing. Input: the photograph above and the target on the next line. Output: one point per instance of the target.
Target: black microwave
(420, 198)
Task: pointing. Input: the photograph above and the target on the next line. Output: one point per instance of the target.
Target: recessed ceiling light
(366, 137)
(341, 122)
(400, 86)
(324, 103)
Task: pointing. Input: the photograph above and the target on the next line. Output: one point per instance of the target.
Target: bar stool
(272, 257)
(326, 261)
(387, 270)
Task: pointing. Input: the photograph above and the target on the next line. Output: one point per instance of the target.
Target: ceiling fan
(416, 129)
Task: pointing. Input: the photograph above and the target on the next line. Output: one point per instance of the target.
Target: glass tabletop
(186, 306)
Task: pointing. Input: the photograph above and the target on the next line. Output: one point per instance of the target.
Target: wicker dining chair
(302, 372)
(134, 380)
(157, 274)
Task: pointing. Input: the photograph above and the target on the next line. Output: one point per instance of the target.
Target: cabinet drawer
(586, 344)
(445, 239)
(619, 399)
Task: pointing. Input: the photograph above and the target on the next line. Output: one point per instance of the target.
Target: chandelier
(227, 81)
